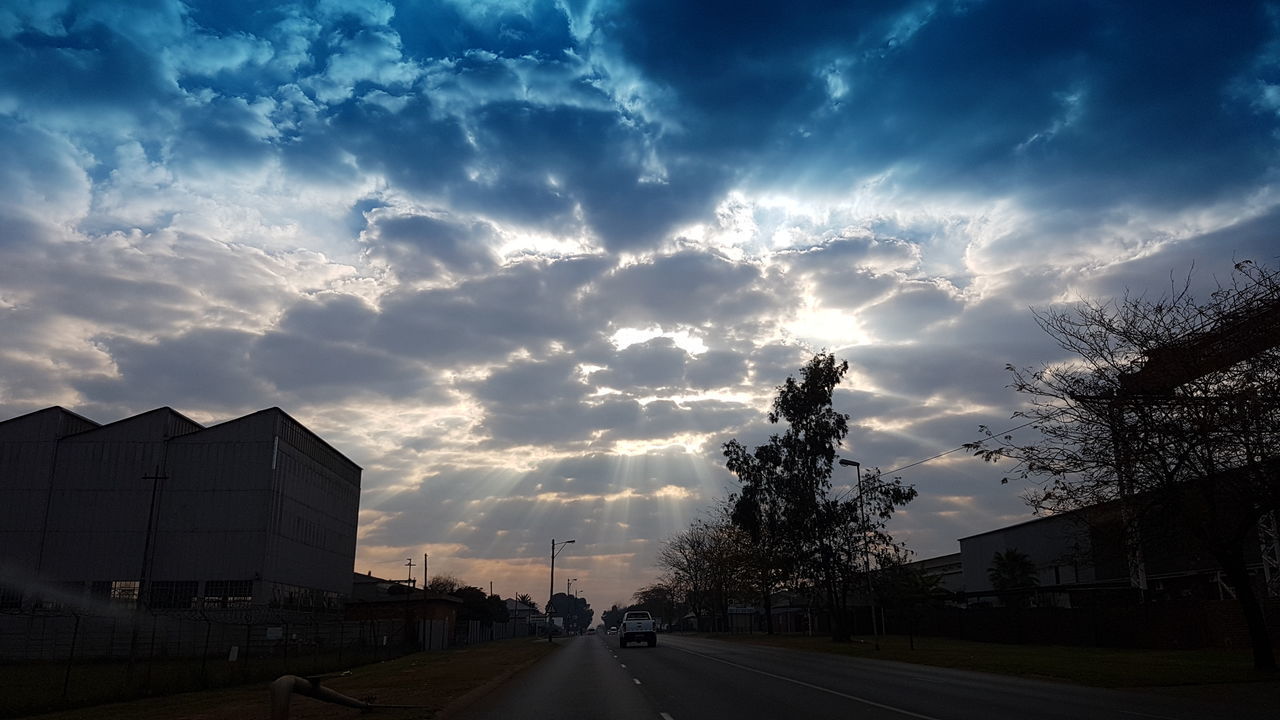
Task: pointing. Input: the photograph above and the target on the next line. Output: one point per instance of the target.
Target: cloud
(422, 246)
(531, 262)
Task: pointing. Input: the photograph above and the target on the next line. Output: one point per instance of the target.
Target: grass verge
(1099, 667)
(430, 679)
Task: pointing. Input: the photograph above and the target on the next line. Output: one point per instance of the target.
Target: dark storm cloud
(412, 147)
(227, 370)
(527, 305)
(422, 246)
(94, 59)
(689, 288)
(204, 369)
(1085, 105)
(716, 369)
(559, 158)
(311, 367)
(654, 364)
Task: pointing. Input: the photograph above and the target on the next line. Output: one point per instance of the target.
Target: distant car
(613, 630)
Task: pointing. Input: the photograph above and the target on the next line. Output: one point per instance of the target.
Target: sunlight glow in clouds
(531, 265)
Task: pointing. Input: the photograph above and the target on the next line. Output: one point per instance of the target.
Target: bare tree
(1168, 408)
(686, 560)
(446, 584)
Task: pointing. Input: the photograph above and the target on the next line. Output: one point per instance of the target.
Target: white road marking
(811, 686)
(637, 680)
(665, 716)
(622, 664)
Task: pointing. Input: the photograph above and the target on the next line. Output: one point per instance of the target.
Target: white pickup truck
(637, 626)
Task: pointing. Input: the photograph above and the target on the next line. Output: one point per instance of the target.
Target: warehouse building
(156, 511)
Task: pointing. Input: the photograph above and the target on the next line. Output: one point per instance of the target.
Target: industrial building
(158, 512)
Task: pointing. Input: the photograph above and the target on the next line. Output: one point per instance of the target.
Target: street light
(866, 547)
(573, 609)
(552, 593)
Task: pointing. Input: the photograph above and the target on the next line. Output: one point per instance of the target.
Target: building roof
(51, 423)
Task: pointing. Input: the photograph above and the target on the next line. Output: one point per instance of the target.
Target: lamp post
(573, 609)
(552, 592)
(866, 547)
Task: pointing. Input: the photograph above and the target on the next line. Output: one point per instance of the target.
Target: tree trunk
(1264, 657)
(768, 613)
(840, 630)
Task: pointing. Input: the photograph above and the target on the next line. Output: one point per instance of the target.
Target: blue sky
(531, 263)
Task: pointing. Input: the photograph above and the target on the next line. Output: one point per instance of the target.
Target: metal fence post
(244, 661)
(151, 654)
(71, 657)
(204, 657)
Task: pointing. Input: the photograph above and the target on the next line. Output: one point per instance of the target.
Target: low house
(428, 617)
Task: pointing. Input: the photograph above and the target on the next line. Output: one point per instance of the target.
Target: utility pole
(551, 593)
(866, 547)
(409, 563)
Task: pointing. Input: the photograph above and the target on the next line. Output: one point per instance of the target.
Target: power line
(941, 454)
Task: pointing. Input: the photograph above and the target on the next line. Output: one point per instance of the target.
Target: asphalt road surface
(695, 679)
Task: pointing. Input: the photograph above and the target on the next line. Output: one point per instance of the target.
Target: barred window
(173, 594)
(228, 593)
(117, 592)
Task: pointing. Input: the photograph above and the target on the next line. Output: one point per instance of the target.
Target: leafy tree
(613, 616)
(576, 611)
(1168, 409)
(785, 505)
(857, 545)
(907, 587)
(476, 605)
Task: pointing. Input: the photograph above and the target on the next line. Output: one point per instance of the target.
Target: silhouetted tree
(613, 616)
(660, 600)
(446, 584)
(1012, 570)
(785, 505)
(527, 599)
(1168, 408)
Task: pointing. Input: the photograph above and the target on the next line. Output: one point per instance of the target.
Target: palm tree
(526, 599)
(1012, 570)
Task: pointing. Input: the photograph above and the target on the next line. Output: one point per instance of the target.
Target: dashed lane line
(811, 686)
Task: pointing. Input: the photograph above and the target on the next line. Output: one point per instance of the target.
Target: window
(228, 593)
(173, 594)
(117, 592)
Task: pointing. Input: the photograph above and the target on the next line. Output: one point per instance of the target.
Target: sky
(531, 264)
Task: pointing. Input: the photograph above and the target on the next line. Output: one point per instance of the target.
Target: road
(696, 679)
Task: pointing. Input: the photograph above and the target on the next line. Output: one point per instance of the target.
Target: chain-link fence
(51, 659)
